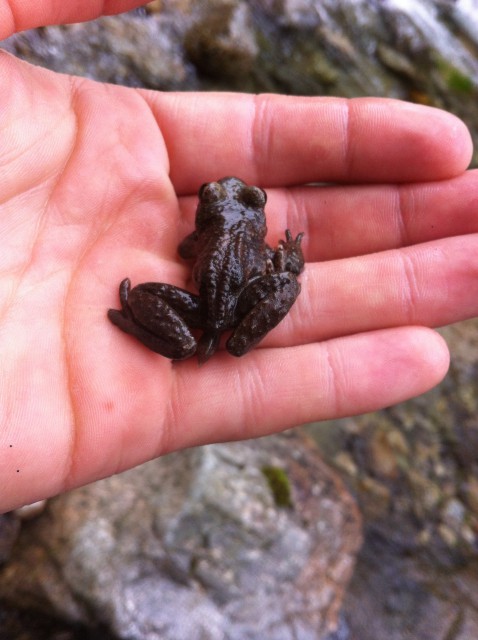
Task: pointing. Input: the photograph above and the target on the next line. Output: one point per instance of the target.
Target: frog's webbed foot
(288, 255)
(265, 302)
(157, 314)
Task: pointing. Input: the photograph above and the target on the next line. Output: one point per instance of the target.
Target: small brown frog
(244, 286)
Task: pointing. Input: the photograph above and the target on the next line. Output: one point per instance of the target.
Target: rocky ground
(253, 540)
(414, 471)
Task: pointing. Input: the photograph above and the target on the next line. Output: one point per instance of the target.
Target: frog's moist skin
(244, 286)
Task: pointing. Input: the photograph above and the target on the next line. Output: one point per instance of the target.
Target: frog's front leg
(262, 305)
(160, 316)
(288, 256)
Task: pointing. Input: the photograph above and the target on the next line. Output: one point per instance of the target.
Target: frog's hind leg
(264, 303)
(119, 317)
(207, 345)
(157, 315)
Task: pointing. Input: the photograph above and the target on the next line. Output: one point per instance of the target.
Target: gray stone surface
(194, 546)
(9, 531)
(413, 469)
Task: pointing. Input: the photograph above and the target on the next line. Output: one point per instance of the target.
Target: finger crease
(402, 214)
(409, 292)
(261, 136)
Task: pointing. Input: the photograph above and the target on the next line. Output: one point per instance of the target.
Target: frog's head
(229, 200)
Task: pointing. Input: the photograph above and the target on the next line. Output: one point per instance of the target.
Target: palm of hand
(81, 188)
(90, 175)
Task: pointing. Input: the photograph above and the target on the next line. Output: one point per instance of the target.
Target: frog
(244, 286)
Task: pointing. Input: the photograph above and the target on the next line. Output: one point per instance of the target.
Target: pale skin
(99, 182)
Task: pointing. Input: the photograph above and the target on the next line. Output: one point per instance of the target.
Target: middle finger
(431, 284)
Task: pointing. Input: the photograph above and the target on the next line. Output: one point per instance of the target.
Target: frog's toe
(207, 345)
(117, 317)
(238, 345)
(176, 343)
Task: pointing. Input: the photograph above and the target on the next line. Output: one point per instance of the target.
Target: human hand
(99, 182)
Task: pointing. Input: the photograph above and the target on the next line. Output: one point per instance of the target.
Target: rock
(29, 511)
(386, 448)
(200, 532)
(378, 497)
(222, 42)
(345, 463)
(471, 494)
(128, 49)
(448, 535)
(422, 535)
(425, 494)
(9, 531)
(395, 597)
(453, 514)
(297, 13)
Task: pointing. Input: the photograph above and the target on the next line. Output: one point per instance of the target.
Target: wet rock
(387, 446)
(196, 545)
(393, 596)
(295, 13)
(127, 49)
(9, 531)
(448, 535)
(453, 514)
(420, 514)
(378, 499)
(222, 43)
(345, 463)
(471, 494)
(18, 624)
(426, 494)
(424, 472)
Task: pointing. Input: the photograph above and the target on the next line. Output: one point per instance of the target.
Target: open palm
(98, 183)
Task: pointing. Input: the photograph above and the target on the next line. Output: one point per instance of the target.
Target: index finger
(19, 15)
(272, 140)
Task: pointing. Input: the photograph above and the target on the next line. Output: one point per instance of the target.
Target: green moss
(459, 82)
(279, 485)
(456, 80)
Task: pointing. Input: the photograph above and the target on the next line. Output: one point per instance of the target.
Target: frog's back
(224, 267)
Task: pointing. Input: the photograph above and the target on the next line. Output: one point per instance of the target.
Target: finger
(431, 284)
(267, 391)
(19, 15)
(272, 389)
(276, 140)
(351, 220)
(348, 221)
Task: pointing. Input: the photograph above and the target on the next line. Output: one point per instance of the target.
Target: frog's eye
(211, 192)
(253, 197)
